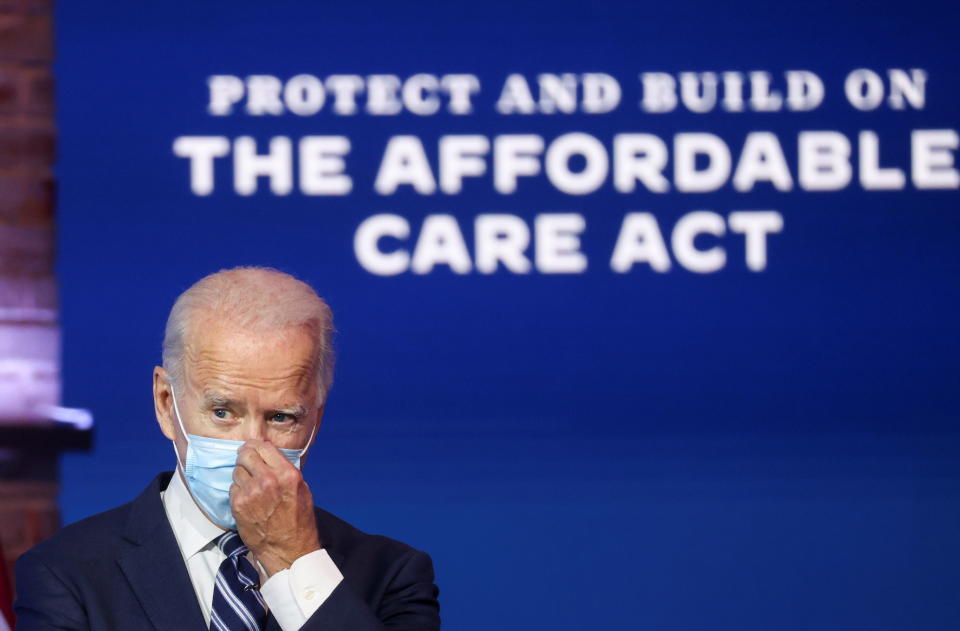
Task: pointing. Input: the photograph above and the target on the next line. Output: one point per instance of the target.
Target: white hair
(257, 299)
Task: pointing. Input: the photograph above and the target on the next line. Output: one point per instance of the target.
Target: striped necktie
(237, 603)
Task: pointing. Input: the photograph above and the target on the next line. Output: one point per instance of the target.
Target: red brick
(10, 26)
(39, 207)
(38, 6)
(26, 147)
(9, 90)
(26, 251)
(26, 200)
(26, 6)
(39, 92)
(26, 37)
(29, 511)
(13, 195)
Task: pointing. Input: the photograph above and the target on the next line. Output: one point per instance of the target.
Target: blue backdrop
(740, 449)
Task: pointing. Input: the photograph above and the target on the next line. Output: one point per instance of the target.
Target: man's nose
(254, 429)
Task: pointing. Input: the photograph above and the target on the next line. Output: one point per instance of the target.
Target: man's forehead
(219, 384)
(231, 354)
(213, 334)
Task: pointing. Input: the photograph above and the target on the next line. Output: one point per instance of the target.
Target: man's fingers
(241, 477)
(267, 467)
(270, 455)
(249, 458)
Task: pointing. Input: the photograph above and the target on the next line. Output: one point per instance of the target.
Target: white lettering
(322, 165)
(366, 245)
(640, 241)
(557, 164)
(515, 155)
(304, 95)
(601, 93)
(686, 176)
(762, 159)
(420, 94)
(639, 158)
(755, 226)
(501, 239)
(872, 177)
(932, 160)
(864, 89)
(225, 91)
(659, 92)
(404, 162)
(263, 95)
(515, 98)
(276, 164)
(440, 243)
(201, 150)
(460, 87)
(686, 231)
(461, 156)
(558, 243)
(824, 160)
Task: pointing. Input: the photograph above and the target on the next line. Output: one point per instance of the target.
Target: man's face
(243, 386)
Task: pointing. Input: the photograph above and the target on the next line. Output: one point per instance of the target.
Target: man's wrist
(271, 563)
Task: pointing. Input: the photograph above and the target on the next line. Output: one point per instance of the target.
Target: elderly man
(231, 539)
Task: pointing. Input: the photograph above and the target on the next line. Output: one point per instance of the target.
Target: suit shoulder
(349, 540)
(89, 537)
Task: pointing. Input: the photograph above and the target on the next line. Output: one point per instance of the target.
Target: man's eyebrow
(295, 410)
(217, 400)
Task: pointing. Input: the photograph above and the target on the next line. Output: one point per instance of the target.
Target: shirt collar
(193, 530)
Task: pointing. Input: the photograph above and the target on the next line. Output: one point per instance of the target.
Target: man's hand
(273, 507)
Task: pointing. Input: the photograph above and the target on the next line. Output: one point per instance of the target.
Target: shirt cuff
(293, 595)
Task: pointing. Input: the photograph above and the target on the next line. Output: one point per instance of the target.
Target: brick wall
(29, 342)
(28, 511)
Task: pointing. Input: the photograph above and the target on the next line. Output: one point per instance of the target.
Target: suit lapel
(154, 566)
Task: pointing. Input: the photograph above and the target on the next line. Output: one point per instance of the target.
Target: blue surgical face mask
(208, 470)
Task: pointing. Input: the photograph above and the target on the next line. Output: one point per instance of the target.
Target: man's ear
(163, 402)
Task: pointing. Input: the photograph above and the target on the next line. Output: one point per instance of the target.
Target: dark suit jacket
(122, 571)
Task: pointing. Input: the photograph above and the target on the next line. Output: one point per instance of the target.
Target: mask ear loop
(176, 412)
(313, 432)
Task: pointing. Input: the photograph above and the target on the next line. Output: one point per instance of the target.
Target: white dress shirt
(292, 595)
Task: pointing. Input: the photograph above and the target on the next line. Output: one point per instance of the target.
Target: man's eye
(280, 417)
(220, 413)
